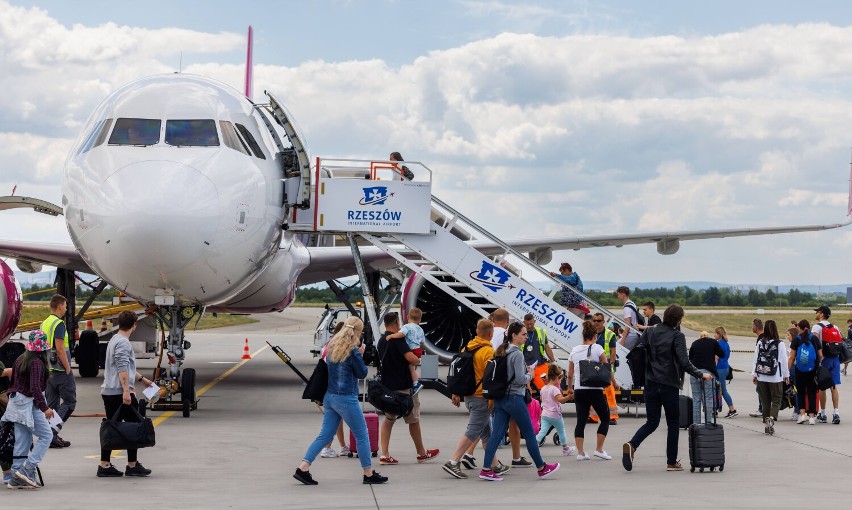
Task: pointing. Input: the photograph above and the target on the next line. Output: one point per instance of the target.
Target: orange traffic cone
(89, 325)
(246, 353)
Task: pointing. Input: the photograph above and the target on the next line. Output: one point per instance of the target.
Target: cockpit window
(195, 133)
(135, 132)
(231, 139)
(246, 134)
(97, 136)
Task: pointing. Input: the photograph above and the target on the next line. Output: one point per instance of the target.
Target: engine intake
(11, 301)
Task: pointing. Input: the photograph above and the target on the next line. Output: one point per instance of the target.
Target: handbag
(127, 435)
(824, 379)
(386, 400)
(317, 385)
(594, 374)
(730, 376)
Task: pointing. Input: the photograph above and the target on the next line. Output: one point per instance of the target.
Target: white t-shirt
(632, 335)
(497, 338)
(817, 329)
(579, 353)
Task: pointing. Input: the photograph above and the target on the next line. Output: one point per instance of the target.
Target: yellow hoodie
(480, 358)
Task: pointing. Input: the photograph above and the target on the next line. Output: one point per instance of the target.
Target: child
(414, 337)
(551, 404)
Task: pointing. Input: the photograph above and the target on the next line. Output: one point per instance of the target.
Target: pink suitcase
(372, 420)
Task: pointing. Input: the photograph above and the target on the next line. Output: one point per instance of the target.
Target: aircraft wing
(59, 255)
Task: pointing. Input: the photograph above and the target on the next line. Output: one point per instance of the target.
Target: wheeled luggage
(706, 444)
(685, 408)
(372, 420)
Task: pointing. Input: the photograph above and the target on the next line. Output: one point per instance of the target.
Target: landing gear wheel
(187, 390)
(87, 353)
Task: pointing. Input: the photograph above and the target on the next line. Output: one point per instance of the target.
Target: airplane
(173, 195)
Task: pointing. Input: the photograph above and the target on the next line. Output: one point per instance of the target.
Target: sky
(540, 118)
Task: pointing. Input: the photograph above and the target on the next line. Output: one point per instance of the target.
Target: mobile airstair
(369, 200)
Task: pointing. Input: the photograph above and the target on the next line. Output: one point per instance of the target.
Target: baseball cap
(824, 310)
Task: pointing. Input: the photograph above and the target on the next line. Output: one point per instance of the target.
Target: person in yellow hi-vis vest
(606, 339)
(60, 386)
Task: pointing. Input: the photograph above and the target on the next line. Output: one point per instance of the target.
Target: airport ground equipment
(287, 360)
(368, 200)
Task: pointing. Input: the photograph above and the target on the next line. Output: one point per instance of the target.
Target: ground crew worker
(537, 351)
(607, 339)
(61, 386)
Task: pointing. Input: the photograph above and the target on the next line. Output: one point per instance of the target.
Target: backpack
(495, 380)
(640, 319)
(806, 355)
(636, 360)
(461, 379)
(832, 341)
(767, 358)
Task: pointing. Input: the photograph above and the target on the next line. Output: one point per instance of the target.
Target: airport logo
(492, 277)
(375, 195)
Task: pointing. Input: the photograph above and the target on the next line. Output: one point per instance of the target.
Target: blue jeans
(548, 423)
(24, 457)
(512, 407)
(696, 385)
(723, 380)
(335, 408)
(657, 398)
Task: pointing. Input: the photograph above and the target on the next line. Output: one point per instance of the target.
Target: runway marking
(168, 414)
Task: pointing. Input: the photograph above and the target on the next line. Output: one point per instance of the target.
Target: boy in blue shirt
(414, 337)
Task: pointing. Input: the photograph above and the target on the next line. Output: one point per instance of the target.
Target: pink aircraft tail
(249, 64)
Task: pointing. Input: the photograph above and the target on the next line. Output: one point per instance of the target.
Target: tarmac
(251, 429)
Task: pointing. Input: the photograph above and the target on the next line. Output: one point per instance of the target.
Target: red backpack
(832, 341)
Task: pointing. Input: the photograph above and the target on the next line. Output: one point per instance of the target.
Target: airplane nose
(164, 215)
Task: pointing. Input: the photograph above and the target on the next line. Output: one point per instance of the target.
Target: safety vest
(542, 339)
(608, 336)
(49, 327)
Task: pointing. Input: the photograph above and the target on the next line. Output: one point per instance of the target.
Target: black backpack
(640, 319)
(495, 380)
(767, 358)
(637, 358)
(461, 379)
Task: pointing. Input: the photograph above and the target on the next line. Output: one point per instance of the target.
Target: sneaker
(811, 421)
(429, 455)
(137, 470)
(306, 478)
(541, 442)
(802, 419)
(613, 421)
(547, 470)
(568, 451)
(468, 461)
(500, 468)
(375, 478)
(794, 416)
(18, 483)
(821, 418)
(27, 476)
(836, 419)
(674, 467)
(388, 461)
(583, 456)
(328, 453)
(731, 414)
(627, 456)
(522, 462)
(7, 477)
(454, 470)
(490, 475)
(58, 442)
(344, 451)
(416, 388)
(770, 426)
(756, 414)
(109, 472)
(602, 455)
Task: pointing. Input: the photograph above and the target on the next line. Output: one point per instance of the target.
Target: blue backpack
(806, 356)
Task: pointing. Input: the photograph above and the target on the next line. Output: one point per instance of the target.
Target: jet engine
(10, 301)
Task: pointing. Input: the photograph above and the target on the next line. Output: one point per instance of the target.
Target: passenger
(61, 391)
(396, 376)
(703, 353)
(792, 333)
(537, 351)
(848, 336)
(119, 393)
(567, 298)
(479, 420)
(631, 316)
(757, 329)
(651, 317)
(606, 339)
(29, 411)
(500, 318)
(551, 406)
(667, 361)
(414, 337)
(723, 367)
(328, 452)
(345, 367)
(832, 363)
(770, 373)
(586, 397)
(401, 171)
(513, 406)
(804, 360)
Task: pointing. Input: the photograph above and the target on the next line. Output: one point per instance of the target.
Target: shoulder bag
(124, 435)
(594, 374)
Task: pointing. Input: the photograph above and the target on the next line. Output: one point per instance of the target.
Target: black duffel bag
(388, 401)
(127, 435)
(824, 379)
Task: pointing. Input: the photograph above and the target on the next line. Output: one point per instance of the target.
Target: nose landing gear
(173, 380)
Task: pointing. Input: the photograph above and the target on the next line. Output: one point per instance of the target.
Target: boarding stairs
(399, 217)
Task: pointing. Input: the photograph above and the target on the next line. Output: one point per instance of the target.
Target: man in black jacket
(667, 360)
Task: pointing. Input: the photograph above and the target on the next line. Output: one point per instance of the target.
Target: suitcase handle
(704, 397)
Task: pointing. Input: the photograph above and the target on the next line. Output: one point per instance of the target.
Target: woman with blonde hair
(345, 367)
(723, 368)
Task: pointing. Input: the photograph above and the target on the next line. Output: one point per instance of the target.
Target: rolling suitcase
(685, 408)
(372, 420)
(706, 445)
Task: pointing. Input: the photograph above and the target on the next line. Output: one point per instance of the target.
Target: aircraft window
(255, 148)
(135, 132)
(97, 136)
(195, 133)
(231, 139)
